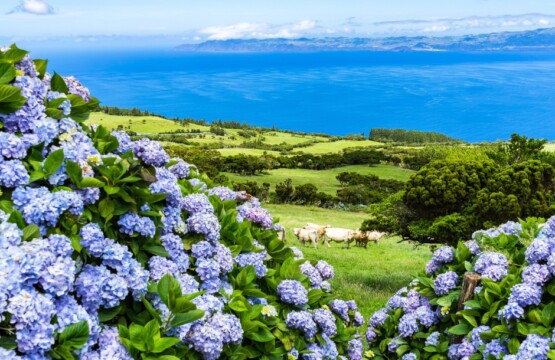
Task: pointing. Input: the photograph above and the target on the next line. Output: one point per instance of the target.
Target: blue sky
(80, 21)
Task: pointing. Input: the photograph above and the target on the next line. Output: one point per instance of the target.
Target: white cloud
(258, 30)
(466, 24)
(36, 7)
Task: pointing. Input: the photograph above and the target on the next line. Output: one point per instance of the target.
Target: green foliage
(446, 199)
(410, 136)
(518, 149)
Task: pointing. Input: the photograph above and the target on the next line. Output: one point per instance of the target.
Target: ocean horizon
(470, 96)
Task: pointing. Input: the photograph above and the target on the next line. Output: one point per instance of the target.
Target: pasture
(324, 180)
(337, 146)
(369, 276)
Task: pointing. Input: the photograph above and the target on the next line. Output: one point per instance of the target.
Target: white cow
(363, 237)
(339, 235)
(321, 229)
(305, 235)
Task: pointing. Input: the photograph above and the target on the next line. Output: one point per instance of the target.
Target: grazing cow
(339, 235)
(305, 235)
(281, 234)
(363, 237)
(321, 229)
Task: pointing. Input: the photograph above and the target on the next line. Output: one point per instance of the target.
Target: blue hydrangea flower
(207, 340)
(325, 320)
(409, 356)
(511, 311)
(229, 326)
(370, 335)
(109, 347)
(10, 235)
(341, 308)
(378, 318)
(197, 204)
(75, 87)
(312, 273)
(492, 265)
(433, 339)
(181, 170)
(205, 224)
(325, 269)
(407, 325)
(125, 143)
(13, 174)
(256, 259)
(426, 315)
(92, 239)
(303, 321)
(354, 349)
(526, 294)
(475, 338)
(536, 274)
(151, 152)
(446, 282)
(223, 192)
(495, 348)
(292, 292)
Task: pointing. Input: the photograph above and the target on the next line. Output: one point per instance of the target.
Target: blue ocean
(470, 96)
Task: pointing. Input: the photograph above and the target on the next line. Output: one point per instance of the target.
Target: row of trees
(411, 137)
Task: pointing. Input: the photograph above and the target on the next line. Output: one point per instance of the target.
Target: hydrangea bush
(510, 314)
(109, 249)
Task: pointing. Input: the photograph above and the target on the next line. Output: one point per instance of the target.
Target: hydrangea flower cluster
(423, 318)
(87, 242)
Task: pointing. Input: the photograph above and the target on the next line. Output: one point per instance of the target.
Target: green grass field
(152, 124)
(337, 146)
(369, 276)
(323, 179)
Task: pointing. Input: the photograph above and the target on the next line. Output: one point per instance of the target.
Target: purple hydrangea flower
(312, 273)
(325, 269)
(370, 335)
(341, 308)
(534, 347)
(433, 339)
(151, 152)
(325, 320)
(75, 87)
(492, 265)
(475, 338)
(205, 224)
(526, 294)
(378, 318)
(446, 282)
(223, 192)
(407, 325)
(197, 204)
(511, 311)
(292, 292)
(13, 174)
(303, 321)
(125, 143)
(354, 349)
(494, 348)
(181, 170)
(536, 274)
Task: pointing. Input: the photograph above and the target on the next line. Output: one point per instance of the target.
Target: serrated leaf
(105, 315)
(548, 314)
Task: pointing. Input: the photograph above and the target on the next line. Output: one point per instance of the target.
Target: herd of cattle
(313, 233)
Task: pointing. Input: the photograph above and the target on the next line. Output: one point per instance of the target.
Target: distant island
(535, 40)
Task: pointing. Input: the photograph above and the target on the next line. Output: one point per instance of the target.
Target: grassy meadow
(369, 276)
(324, 180)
